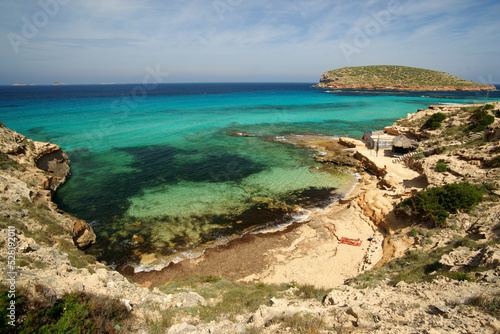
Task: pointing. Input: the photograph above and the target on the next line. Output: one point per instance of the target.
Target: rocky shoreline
(309, 253)
(419, 88)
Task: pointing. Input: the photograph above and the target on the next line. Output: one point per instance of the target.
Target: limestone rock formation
(83, 235)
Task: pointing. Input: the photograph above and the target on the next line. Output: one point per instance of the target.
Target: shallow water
(165, 159)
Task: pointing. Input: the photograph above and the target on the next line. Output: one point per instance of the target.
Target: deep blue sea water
(160, 154)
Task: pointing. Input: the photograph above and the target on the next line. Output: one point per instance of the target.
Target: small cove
(163, 168)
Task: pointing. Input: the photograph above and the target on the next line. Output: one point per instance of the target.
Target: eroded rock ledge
(30, 174)
(334, 85)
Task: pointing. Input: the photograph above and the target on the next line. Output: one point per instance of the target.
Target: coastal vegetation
(480, 118)
(6, 162)
(418, 266)
(434, 122)
(237, 298)
(436, 204)
(77, 312)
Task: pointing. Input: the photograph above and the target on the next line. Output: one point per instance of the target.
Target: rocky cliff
(385, 77)
(45, 243)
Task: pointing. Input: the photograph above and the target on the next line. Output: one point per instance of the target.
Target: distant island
(391, 77)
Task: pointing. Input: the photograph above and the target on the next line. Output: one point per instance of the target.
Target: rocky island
(385, 259)
(390, 77)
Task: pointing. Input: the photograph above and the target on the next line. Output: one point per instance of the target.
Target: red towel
(352, 242)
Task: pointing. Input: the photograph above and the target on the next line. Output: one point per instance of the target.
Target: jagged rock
(335, 297)
(267, 313)
(13, 189)
(355, 311)
(186, 299)
(460, 257)
(490, 256)
(83, 235)
(127, 303)
(223, 327)
(12, 142)
(183, 328)
(26, 245)
(438, 309)
(363, 323)
(52, 159)
(487, 226)
(137, 239)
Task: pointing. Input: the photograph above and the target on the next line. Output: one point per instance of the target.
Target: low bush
(309, 292)
(481, 118)
(73, 313)
(438, 203)
(441, 167)
(458, 276)
(301, 323)
(493, 163)
(419, 266)
(6, 162)
(487, 302)
(418, 156)
(434, 122)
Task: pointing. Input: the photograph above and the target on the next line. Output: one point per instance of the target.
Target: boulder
(186, 299)
(490, 256)
(137, 239)
(83, 235)
(183, 328)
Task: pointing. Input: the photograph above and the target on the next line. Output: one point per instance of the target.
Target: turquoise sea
(156, 161)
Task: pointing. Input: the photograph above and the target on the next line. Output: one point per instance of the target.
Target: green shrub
(6, 162)
(493, 163)
(73, 313)
(439, 202)
(434, 122)
(441, 167)
(458, 276)
(418, 156)
(479, 114)
(480, 119)
(418, 266)
(301, 323)
(309, 291)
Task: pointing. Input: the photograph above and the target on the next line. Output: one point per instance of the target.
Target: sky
(172, 41)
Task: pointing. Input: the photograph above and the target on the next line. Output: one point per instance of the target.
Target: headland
(402, 78)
